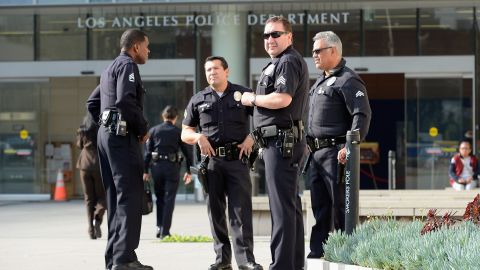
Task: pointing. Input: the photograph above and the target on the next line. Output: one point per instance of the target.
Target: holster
(203, 172)
(252, 158)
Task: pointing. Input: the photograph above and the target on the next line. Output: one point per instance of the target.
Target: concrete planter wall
(321, 264)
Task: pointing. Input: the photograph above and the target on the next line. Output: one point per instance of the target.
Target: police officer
(118, 102)
(223, 136)
(161, 154)
(280, 104)
(338, 103)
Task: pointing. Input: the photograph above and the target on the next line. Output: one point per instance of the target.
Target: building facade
(419, 60)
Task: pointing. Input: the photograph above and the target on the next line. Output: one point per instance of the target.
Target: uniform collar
(124, 53)
(337, 69)
(168, 122)
(209, 90)
(277, 58)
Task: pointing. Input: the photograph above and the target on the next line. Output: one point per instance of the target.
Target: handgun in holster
(306, 165)
(203, 172)
(252, 158)
(258, 138)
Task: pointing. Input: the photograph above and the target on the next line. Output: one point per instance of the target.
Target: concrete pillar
(229, 39)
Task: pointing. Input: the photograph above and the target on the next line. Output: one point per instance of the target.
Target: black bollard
(352, 180)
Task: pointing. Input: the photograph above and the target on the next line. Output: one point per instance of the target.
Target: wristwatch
(253, 101)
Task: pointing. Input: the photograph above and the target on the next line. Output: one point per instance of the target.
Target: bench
(400, 204)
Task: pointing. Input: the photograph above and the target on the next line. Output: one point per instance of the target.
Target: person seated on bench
(463, 170)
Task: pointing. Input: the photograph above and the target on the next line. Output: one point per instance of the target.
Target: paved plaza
(53, 235)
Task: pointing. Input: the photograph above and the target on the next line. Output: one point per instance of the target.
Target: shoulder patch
(281, 80)
(359, 94)
(131, 77)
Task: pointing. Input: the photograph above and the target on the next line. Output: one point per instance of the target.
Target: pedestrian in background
(117, 103)
(280, 104)
(338, 103)
(223, 136)
(87, 163)
(161, 155)
(463, 170)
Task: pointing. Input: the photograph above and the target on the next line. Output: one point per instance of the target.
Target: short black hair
(130, 37)
(221, 59)
(169, 112)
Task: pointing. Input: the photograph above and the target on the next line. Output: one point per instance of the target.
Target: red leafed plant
(433, 223)
(472, 211)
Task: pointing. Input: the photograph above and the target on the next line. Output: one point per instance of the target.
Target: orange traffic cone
(60, 192)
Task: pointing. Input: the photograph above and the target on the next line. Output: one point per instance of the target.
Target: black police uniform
(165, 141)
(287, 73)
(338, 103)
(224, 121)
(120, 157)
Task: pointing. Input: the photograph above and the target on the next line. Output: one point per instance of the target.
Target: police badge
(331, 81)
(237, 96)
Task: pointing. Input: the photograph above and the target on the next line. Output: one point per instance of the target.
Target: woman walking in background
(93, 191)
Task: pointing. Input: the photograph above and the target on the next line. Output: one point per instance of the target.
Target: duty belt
(274, 131)
(230, 151)
(172, 157)
(319, 143)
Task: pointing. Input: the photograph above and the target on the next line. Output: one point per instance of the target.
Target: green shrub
(175, 238)
(390, 244)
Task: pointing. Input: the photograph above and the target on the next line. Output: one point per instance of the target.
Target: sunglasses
(274, 34)
(318, 51)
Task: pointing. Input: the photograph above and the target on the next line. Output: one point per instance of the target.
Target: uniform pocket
(207, 116)
(236, 112)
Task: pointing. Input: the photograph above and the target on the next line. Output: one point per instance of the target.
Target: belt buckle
(221, 151)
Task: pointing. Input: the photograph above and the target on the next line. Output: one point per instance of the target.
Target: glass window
(16, 2)
(390, 32)
(60, 38)
(16, 37)
(446, 31)
(171, 37)
(448, 104)
(19, 160)
(42, 2)
(345, 23)
(169, 34)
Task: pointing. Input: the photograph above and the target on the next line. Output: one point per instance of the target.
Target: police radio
(121, 128)
(287, 145)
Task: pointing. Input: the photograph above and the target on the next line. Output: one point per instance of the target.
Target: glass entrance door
(19, 125)
(160, 94)
(438, 113)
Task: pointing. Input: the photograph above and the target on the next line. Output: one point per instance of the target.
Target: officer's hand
(146, 176)
(144, 138)
(187, 178)
(205, 147)
(342, 155)
(247, 98)
(246, 146)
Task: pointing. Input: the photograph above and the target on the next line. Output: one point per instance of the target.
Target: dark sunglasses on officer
(274, 34)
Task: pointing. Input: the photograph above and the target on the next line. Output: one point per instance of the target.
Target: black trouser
(166, 176)
(121, 164)
(328, 198)
(230, 178)
(94, 196)
(288, 239)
